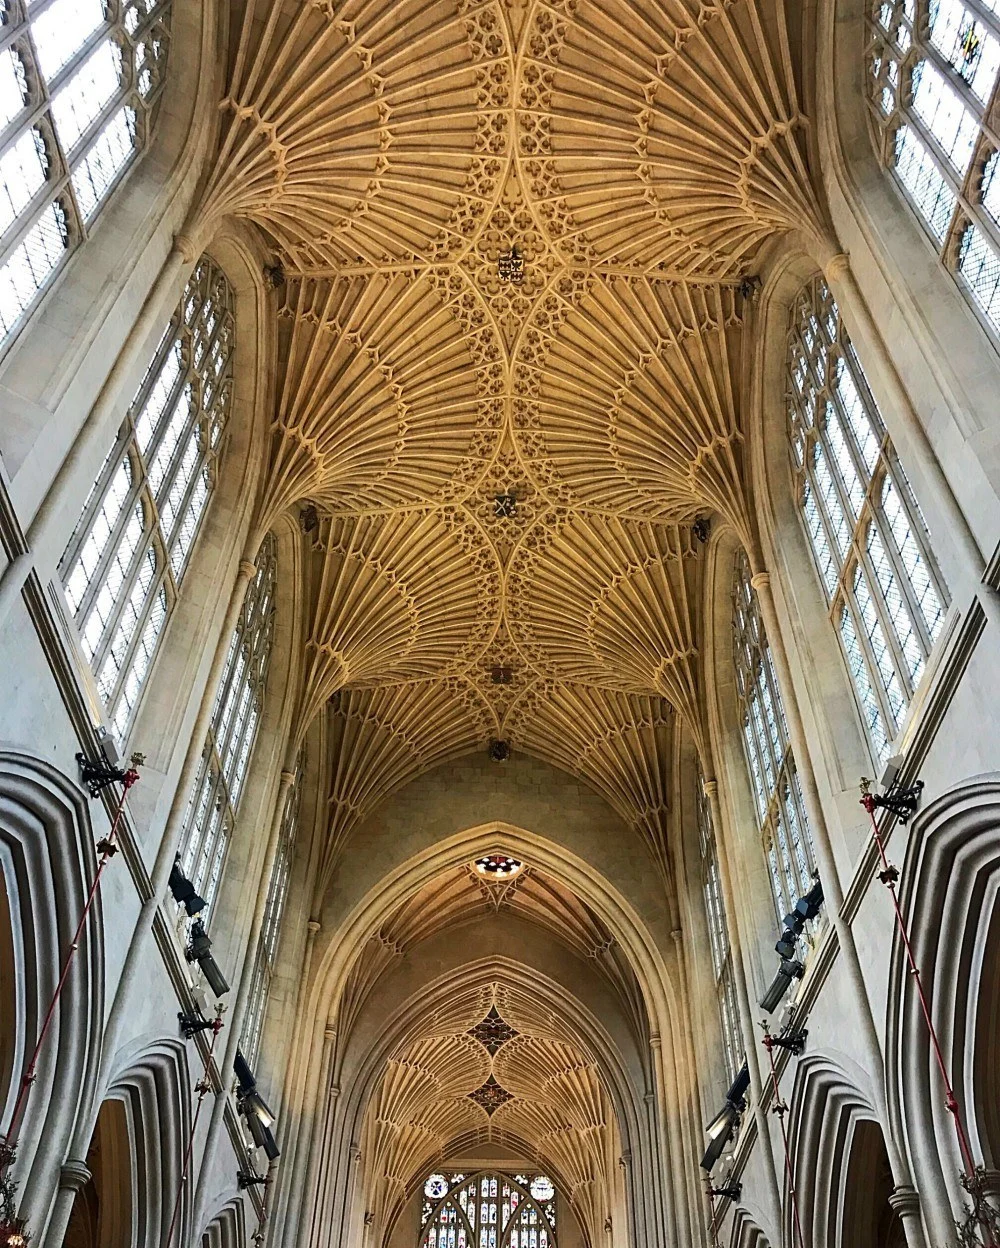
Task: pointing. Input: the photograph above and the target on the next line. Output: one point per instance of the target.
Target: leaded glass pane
(718, 933)
(489, 1211)
(125, 562)
(214, 804)
(274, 910)
(887, 599)
(933, 67)
(85, 78)
(784, 829)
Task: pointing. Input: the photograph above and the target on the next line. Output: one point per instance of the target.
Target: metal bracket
(794, 1041)
(732, 1191)
(97, 776)
(191, 1024)
(247, 1178)
(902, 802)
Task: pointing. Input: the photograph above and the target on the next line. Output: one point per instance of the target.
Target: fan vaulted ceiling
(637, 153)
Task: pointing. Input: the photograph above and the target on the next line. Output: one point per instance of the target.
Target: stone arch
(47, 861)
(135, 1155)
(426, 828)
(949, 886)
(227, 1229)
(622, 1081)
(745, 1233)
(839, 1160)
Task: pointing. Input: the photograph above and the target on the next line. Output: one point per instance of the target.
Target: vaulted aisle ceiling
(499, 478)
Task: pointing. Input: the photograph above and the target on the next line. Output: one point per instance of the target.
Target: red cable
(108, 849)
(204, 1086)
(711, 1211)
(888, 876)
(780, 1108)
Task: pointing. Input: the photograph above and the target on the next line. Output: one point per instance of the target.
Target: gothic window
(489, 1210)
(932, 68)
(131, 548)
(80, 81)
(214, 804)
(781, 816)
(718, 935)
(267, 950)
(887, 600)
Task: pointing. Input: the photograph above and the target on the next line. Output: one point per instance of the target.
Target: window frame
(720, 945)
(458, 1185)
(905, 43)
(60, 161)
(781, 813)
(815, 405)
(206, 304)
(214, 804)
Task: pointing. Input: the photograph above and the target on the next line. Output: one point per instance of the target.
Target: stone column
(73, 1175)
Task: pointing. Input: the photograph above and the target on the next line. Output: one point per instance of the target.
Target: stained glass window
(718, 935)
(80, 81)
(274, 911)
(871, 546)
(489, 1210)
(781, 816)
(125, 562)
(932, 66)
(212, 810)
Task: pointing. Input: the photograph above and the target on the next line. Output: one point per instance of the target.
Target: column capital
(710, 787)
(313, 926)
(287, 777)
(248, 569)
(187, 247)
(761, 580)
(74, 1174)
(837, 266)
(905, 1200)
(655, 1040)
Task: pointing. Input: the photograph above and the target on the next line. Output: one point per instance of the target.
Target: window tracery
(932, 70)
(214, 803)
(887, 600)
(489, 1210)
(274, 912)
(718, 935)
(80, 82)
(124, 564)
(784, 828)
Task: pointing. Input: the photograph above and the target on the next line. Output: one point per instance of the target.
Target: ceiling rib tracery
(509, 469)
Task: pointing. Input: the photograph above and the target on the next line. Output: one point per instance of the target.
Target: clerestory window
(488, 1210)
(886, 597)
(215, 801)
(782, 822)
(80, 82)
(125, 562)
(718, 935)
(932, 72)
(267, 950)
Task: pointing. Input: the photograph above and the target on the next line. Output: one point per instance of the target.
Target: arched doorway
(103, 1212)
(868, 1220)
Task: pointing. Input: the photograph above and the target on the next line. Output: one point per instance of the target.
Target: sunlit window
(887, 599)
(490, 1210)
(932, 66)
(718, 935)
(781, 815)
(125, 562)
(215, 802)
(267, 950)
(80, 81)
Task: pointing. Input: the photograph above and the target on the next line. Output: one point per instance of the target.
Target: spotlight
(721, 1128)
(259, 1116)
(256, 1108)
(244, 1075)
(198, 951)
(184, 891)
(262, 1137)
(788, 970)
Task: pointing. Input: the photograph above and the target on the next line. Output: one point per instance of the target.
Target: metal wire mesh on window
(124, 564)
(718, 935)
(784, 829)
(80, 83)
(932, 72)
(887, 599)
(215, 801)
(274, 911)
